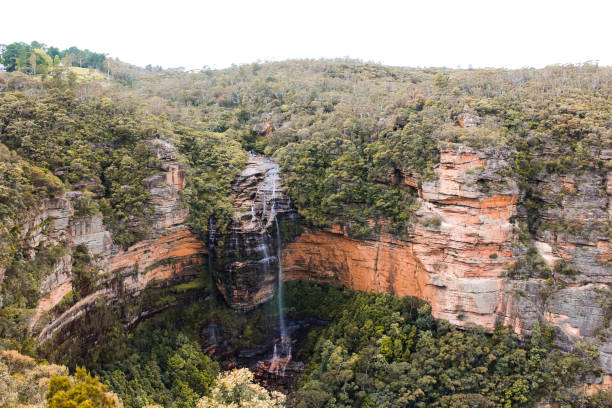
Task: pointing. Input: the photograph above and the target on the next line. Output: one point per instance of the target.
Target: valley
(353, 234)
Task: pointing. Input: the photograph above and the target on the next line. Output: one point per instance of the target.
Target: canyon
(457, 256)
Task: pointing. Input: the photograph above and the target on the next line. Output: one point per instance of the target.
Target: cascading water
(253, 217)
(212, 327)
(259, 199)
(282, 350)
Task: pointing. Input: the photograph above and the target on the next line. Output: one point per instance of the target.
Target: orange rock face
(177, 254)
(171, 251)
(456, 256)
(385, 266)
(457, 264)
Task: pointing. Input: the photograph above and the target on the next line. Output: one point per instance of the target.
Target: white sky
(172, 33)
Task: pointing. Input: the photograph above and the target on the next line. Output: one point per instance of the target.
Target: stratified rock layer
(170, 251)
(455, 257)
(458, 254)
(247, 267)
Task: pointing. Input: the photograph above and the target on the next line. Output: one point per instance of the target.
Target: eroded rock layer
(246, 271)
(459, 254)
(171, 251)
(455, 257)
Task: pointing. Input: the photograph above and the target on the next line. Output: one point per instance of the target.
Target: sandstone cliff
(455, 257)
(170, 251)
(458, 254)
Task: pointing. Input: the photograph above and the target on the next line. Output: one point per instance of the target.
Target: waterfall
(212, 327)
(263, 213)
(282, 350)
(253, 217)
(281, 313)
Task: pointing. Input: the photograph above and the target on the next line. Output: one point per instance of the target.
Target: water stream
(282, 350)
(212, 327)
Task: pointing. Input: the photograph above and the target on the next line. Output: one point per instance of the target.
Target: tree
(41, 60)
(83, 391)
(236, 389)
(15, 55)
(33, 63)
(23, 382)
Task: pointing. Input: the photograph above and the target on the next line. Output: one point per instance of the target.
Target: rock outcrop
(170, 251)
(458, 254)
(455, 257)
(246, 271)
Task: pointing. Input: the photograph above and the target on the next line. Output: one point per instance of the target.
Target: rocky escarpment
(459, 254)
(247, 266)
(170, 251)
(573, 239)
(455, 256)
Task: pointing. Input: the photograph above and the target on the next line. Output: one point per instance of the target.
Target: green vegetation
(382, 351)
(347, 135)
(157, 366)
(162, 361)
(237, 389)
(92, 145)
(57, 135)
(20, 293)
(24, 382)
(378, 350)
(22, 187)
(37, 58)
(343, 130)
(80, 391)
(215, 159)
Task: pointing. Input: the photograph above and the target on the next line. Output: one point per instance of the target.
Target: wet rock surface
(248, 261)
(259, 358)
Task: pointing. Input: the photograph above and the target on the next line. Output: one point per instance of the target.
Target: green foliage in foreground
(82, 391)
(377, 351)
(157, 366)
(382, 351)
(236, 389)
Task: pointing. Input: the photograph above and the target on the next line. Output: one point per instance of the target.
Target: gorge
(458, 266)
(303, 217)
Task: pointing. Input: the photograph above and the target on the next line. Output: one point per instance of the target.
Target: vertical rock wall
(170, 250)
(246, 271)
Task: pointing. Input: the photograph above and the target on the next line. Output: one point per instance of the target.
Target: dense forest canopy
(341, 130)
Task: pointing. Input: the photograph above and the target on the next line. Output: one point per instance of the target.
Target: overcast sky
(172, 33)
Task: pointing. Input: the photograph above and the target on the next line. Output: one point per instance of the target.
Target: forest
(341, 131)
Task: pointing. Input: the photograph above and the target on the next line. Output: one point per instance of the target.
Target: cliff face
(458, 254)
(247, 263)
(455, 257)
(170, 252)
